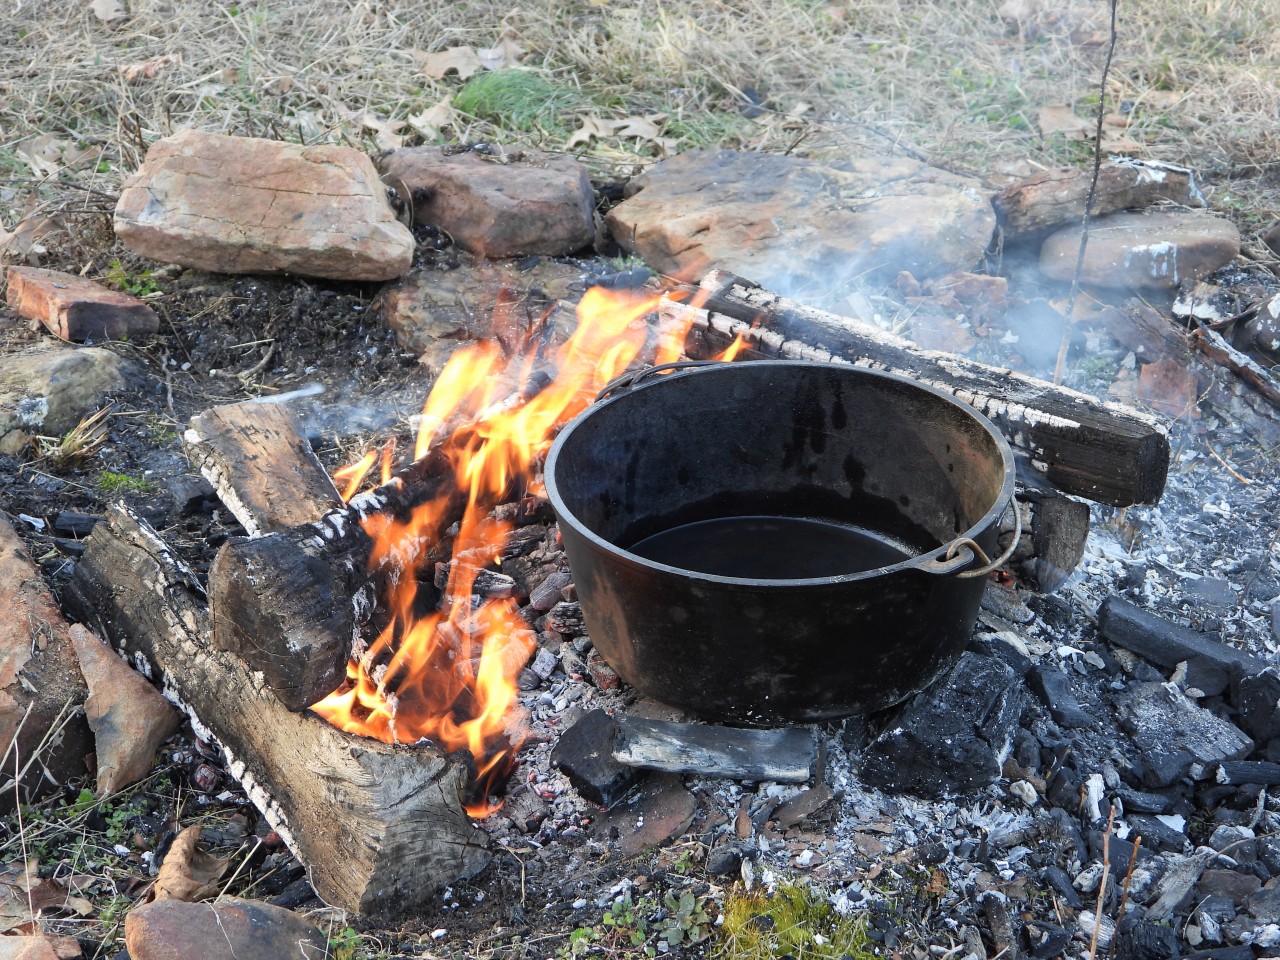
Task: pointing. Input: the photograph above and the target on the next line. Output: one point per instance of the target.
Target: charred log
(261, 465)
(1096, 450)
(379, 827)
(1055, 529)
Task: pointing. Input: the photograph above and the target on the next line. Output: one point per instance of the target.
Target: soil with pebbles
(920, 870)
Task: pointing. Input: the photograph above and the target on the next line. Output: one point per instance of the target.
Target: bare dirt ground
(86, 87)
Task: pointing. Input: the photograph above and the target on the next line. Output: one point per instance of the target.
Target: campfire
(402, 612)
(448, 675)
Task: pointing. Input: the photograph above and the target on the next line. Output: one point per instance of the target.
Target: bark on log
(261, 465)
(1092, 449)
(379, 827)
(293, 603)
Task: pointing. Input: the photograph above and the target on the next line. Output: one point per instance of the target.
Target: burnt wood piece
(584, 753)
(258, 459)
(783, 755)
(1211, 664)
(378, 827)
(1214, 345)
(69, 523)
(1079, 444)
(1055, 530)
(1260, 772)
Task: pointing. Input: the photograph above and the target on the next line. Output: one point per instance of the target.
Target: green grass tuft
(795, 921)
(518, 99)
(112, 483)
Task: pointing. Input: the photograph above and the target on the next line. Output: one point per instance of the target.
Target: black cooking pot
(770, 542)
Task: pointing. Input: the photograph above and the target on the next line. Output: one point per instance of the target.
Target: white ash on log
(379, 827)
(1085, 447)
(261, 465)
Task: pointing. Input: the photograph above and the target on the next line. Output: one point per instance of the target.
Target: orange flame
(449, 675)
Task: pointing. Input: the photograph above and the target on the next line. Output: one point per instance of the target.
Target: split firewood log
(379, 827)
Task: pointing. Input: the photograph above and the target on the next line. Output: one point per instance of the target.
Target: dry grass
(956, 82)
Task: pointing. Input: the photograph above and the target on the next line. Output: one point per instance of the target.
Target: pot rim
(919, 562)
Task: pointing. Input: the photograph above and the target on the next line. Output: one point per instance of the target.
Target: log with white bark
(1083, 446)
(379, 827)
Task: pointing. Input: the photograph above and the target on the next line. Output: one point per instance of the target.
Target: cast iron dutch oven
(787, 623)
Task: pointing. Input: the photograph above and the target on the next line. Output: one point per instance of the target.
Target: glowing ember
(449, 675)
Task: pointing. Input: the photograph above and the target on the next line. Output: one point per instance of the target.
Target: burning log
(1099, 451)
(379, 827)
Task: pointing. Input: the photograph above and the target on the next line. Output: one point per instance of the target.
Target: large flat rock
(245, 205)
(1161, 249)
(788, 222)
(510, 205)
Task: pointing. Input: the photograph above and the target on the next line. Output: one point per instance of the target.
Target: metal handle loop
(987, 564)
(633, 378)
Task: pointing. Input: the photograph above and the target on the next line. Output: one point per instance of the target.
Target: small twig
(1128, 876)
(1060, 367)
(258, 367)
(1230, 469)
(240, 869)
(1102, 884)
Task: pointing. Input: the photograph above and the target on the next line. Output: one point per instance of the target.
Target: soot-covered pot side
(795, 439)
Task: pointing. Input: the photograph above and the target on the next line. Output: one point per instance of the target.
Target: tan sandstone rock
(39, 947)
(1052, 198)
(509, 205)
(1131, 250)
(40, 681)
(478, 299)
(793, 224)
(129, 719)
(232, 927)
(75, 308)
(245, 205)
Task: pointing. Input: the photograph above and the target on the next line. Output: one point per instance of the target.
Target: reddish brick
(75, 308)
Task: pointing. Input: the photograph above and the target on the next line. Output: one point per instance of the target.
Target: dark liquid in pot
(772, 548)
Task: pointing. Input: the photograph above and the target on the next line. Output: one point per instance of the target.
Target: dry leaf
(107, 10)
(22, 244)
(47, 154)
(147, 69)
(386, 133)
(188, 873)
(643, 127)
(593, 128)
(461, 60)
(1121, 145)
(507, 53)
(1062, 119)
(431, 121)
(24, 896)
